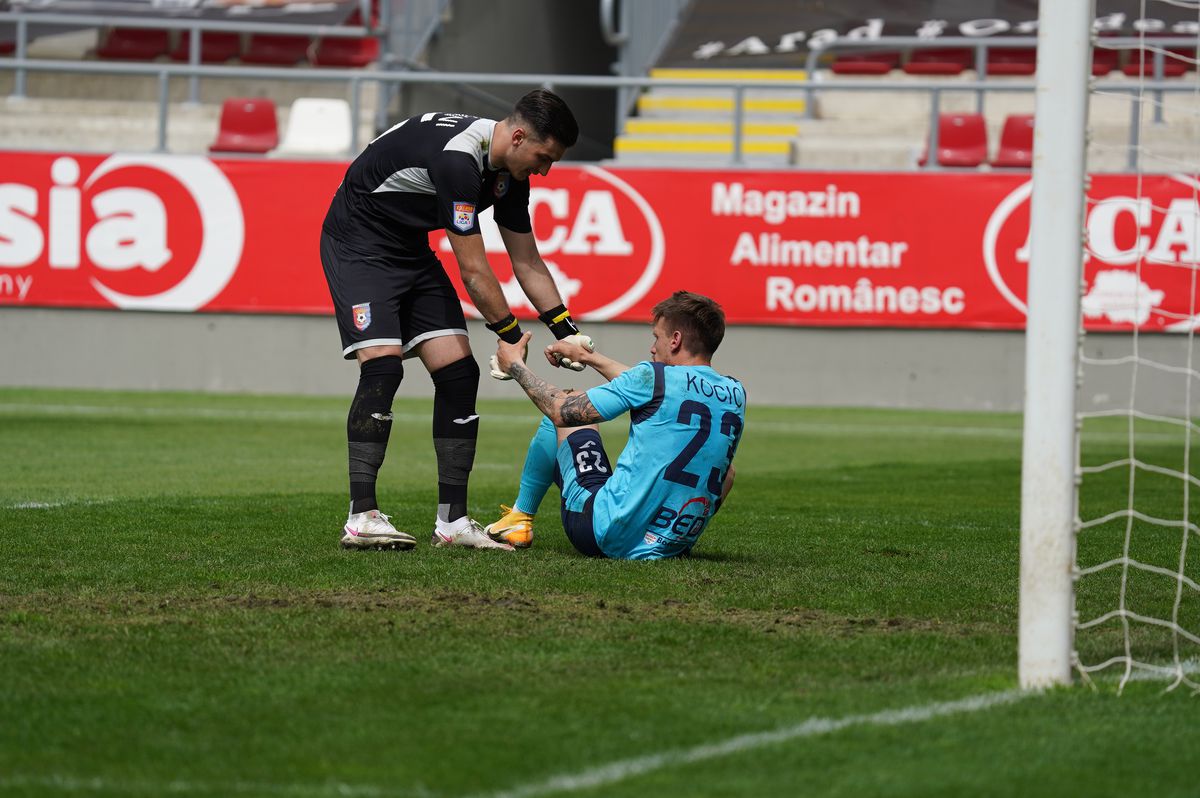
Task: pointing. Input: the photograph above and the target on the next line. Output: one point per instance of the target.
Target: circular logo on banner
(151, 255)
(601, 241)
(1140, 251)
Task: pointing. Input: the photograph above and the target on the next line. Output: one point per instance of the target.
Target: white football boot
(464, 532)
(373, 530)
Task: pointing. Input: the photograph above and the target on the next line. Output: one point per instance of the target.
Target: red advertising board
(189, 233)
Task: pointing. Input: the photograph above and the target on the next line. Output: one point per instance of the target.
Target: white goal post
(1051, 342)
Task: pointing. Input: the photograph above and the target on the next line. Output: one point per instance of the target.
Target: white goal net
(1137, 519)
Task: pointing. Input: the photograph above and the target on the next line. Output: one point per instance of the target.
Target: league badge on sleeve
(362, 316)
(464, 216)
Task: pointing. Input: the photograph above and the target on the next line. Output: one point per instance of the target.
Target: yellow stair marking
(673, 127)
(651, 103)
(793, 75)
(623, 144)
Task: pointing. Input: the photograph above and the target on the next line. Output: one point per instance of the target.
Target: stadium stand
(1142, 61)
(1012, 61)
(696, 124)
(272, 50)
(1016, 143)
(858, 63)
(317, 126)
(938, 62)
(342, 52)
(216, 47)
(1104, 61)
(134, 44)
(247, 125)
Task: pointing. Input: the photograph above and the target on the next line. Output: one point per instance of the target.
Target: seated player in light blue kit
(676, 469)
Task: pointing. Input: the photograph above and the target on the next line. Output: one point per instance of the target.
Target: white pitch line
(587, 779)
(73, 784)
(814, 727)
(54, 504)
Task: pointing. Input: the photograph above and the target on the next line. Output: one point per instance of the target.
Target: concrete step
(638, 126)
(625, 145)
(712, 105)
(780, 75)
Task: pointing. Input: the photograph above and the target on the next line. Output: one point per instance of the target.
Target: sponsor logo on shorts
(464, 216)
(362, 316)
(650, 538)
(501, 185)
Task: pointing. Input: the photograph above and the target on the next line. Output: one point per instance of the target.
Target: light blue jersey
(685, 423)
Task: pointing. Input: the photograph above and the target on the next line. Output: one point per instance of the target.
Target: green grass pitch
(176, 618)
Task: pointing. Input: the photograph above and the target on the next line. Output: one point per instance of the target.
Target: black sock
(368, 426)
(455, 429)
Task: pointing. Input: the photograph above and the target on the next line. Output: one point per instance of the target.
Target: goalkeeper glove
(579, 339)
(497, 374)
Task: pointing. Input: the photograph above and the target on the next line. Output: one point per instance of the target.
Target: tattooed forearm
(570, 408)
(577, 410)
(541, 392)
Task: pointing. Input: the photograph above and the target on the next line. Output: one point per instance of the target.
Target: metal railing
(639, 31)
(194, 27)
(1156, 45)
(356, 78)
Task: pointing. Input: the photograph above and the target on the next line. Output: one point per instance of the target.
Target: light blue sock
(538, 473)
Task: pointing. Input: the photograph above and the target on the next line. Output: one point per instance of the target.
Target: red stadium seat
(134, 44)
(938, 62)
(248, 124)
(962, 140)
(1105, 60)
(1142, 61)
(342, 52)
(278, 50)
(7, 47)
(1016, 142)
(865, 63)
(215, 46)
(1012, 61)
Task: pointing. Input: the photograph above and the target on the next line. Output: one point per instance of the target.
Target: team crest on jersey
(501, 187)
(464, 216)
(362, 316)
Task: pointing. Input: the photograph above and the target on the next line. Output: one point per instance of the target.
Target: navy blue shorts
(581, 470)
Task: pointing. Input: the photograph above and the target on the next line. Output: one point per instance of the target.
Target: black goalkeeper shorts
(379, 302)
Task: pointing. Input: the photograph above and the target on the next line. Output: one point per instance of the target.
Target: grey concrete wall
(944, 369)
(523, 36)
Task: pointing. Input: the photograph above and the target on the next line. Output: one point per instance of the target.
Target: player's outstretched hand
(508, 355)
(569, 352)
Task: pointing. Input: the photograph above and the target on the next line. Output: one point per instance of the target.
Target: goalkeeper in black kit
(393, 299)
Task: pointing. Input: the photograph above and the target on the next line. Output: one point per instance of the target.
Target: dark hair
(699, 318)
(548, 116)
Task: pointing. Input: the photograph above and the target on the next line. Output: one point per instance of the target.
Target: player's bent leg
(515, 524)
(368, 427)
(582, 470)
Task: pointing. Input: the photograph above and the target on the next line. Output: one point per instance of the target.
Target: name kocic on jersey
(731, 395)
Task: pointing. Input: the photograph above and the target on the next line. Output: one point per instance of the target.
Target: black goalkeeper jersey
(428, 172)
